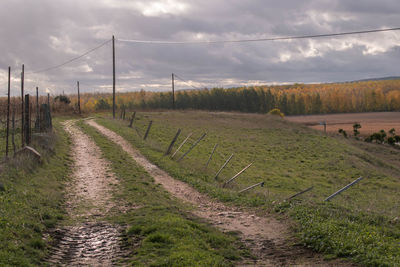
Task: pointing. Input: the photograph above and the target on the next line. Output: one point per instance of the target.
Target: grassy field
(361, 224)
(160, 230)
(31, 202)
(371, 122)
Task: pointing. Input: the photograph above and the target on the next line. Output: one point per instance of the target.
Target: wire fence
(21, 122)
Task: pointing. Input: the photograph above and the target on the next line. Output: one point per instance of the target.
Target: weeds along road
(88, 240)
(268, 239)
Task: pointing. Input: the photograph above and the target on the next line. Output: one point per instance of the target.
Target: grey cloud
(43, 33)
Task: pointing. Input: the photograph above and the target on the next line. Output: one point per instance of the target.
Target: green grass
(32, 202)
(160, 229)
(359, 224)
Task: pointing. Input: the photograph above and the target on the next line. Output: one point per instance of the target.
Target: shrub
(343, 132)
(63, 98)
(356, 126)
(276, 111)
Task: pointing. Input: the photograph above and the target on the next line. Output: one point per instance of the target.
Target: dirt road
(268, 238)
(88, 240)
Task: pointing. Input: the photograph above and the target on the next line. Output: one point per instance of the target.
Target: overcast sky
(44, 33)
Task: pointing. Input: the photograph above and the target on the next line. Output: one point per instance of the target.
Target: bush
(276, 111)
(343, 132)
(63, 98)
(356, 126)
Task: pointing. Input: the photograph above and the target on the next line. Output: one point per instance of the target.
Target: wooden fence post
(300, 193)
(132, 119)
(237, 175)
(37, 122)
(212, 153)
(252, 186)
(181, 145)
(27, 121)
(190, 149)
(8, 109)
(148, 130)
(22, 105)
(223, 166)
(172, 142)
(13, 130)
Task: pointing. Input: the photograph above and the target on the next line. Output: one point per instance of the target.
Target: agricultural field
(371, 122)
(360, 224)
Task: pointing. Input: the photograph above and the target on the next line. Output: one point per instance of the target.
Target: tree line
(294, 99)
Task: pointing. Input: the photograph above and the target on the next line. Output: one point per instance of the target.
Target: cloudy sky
(45, 33)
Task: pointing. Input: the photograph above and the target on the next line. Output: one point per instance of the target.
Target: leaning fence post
(181, 145)
(172, 142)
(300, 193)
(223, 166)
(190, 149)
(132, 119)
(237, 175)
(148, 130)
(343, 189)
(252, 186)
(212, 153)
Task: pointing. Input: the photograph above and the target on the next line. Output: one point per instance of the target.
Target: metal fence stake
(343, 189)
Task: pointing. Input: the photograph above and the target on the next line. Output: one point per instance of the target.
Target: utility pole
(79, 99)
(22, 105)
(8, 109)
(113, 54)
(173, 92)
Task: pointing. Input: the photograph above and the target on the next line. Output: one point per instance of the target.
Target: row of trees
(290, 99)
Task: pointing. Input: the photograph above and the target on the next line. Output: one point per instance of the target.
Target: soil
(269, 239)
(89, 240)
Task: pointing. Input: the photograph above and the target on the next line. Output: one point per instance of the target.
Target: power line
(73, 59)
(260, 39)
(183, 80)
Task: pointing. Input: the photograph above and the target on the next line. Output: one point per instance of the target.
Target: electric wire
(260, 39)
(183, 80)
(72, 59)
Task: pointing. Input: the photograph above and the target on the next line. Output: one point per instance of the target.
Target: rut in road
(90, 240)
(266, 237)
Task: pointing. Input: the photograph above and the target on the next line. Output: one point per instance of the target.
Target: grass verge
(160, 230)
(31, 201)
(361, 224)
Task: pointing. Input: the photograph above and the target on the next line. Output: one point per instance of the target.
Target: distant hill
(379, 79)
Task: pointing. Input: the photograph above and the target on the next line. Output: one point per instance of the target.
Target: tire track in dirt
(90, 241)
(266, 237)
